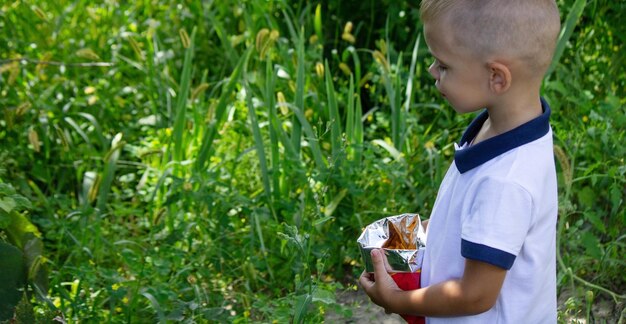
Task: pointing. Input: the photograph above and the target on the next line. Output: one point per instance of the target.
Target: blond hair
(523, 29)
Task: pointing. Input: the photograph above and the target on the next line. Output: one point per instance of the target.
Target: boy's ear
(499, 77)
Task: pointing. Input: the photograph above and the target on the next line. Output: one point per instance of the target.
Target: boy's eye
(441, 67)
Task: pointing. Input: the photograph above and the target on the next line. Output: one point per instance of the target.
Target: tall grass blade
(395, 116)
(312, 140)
(275, 121)
(155, 305)
(224, 38)
(290, 25)
(350, 114)
(109, 171)
(260, 148)
(265, 177)
(392, 87)
(270, 82)
(296, 134)
(78, 130)
(181, 103)
(333, 113)
(566, 32)
(358, 132)
(166, 173)
(409, 84)
(154, 82)
(330, 208)
(357, 65)
(97, 128)
(220, 110)
(398, 113)
(259, 230)
(391, 149)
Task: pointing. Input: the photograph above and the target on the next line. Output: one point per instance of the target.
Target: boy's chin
(463, 109)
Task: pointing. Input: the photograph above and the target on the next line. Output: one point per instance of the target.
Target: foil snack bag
(403, 239)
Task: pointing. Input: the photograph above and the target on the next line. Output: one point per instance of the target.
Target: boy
(491, 240)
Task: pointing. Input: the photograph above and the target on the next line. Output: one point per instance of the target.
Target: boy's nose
(432, 69)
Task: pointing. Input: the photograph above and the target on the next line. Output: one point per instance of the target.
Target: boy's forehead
(436, 36)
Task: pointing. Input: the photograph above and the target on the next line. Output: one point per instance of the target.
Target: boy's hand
(379, 286)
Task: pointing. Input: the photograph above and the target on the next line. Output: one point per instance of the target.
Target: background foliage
(216, 160)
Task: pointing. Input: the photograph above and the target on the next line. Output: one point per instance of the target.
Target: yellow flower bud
(347, 29)
(33, 139)
(345, 68)
(261, 38)
(282, 103)
(381, 59)
(308, 114)
(89, 90)
(348, 38)
(184, 37)
(319, 69)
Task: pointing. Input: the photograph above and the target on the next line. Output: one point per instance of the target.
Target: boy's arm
(474, 293)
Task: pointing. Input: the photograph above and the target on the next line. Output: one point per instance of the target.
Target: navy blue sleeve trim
(480, 252)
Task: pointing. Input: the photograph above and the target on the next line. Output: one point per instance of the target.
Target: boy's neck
(507, 113)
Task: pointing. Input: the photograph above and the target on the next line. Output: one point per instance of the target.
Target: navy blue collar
(475, 155)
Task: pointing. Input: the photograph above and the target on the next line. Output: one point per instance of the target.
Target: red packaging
(409, 281)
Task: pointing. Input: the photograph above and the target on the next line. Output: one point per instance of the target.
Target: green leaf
(11, 279)
(5, 220)
(330, 209)
(390, 148)
(592, 245)
(6, 190)
(566, 32)
(260, 148)
(7, 204)
(24, 312)
(322, 220)
(21, 203)
(594, 219)
(33, 256)
(20, 228)
(324, 296)
(586, 196)
(302, 303)
(615, 196)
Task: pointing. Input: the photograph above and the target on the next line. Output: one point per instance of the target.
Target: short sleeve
(497, 224)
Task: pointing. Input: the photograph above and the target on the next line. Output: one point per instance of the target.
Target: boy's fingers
(386, 261)
(365, 280)
(380, 264)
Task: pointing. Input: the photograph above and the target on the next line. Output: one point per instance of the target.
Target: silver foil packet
(402, 238)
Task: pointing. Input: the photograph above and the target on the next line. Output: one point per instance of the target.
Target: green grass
(216, 161)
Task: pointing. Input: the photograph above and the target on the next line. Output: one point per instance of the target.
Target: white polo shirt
(498, 204)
